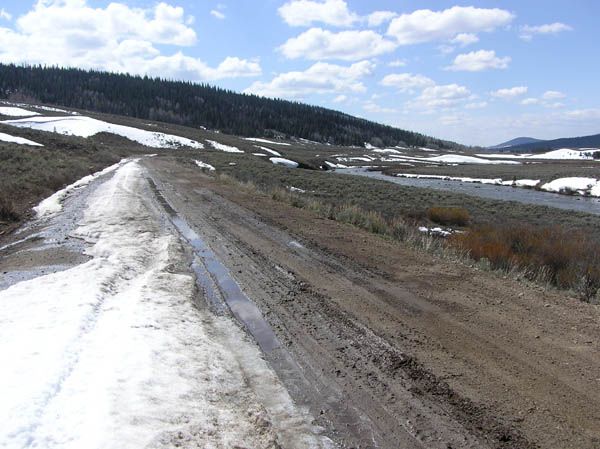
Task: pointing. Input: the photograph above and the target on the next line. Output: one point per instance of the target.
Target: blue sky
(477, 72)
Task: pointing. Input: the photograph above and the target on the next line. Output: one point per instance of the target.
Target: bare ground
(423, 352)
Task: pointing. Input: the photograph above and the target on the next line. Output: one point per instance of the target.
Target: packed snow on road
(112, 353)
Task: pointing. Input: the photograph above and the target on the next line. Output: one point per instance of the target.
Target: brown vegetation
(449, 216)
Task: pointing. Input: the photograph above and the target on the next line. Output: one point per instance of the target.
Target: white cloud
(307, 12)
(441, 97)
(406, 82)
(464, 39)
(509, 92)
(116, 38)
(218, 14)
(398, 63)
(553, 95)
(340, 99)
(477, 61)
(583, 114)
(476, 105)
(5, 15)
(317, 43)
(379, 17)
(425, 25)
(528, 32)
(320, 78)
(530, 101)
(371, 106)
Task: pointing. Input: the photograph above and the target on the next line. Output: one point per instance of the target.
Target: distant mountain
(516, 142)
(195, 105)
(592, 141)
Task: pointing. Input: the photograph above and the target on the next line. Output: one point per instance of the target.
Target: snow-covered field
(12, 111)
(560, 154)
(18, 140)
(222, 147)
(494, 181)
(86, 126)
(112, 353)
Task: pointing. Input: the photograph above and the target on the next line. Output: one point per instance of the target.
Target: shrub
(8, 211)
(449, 216)
(565, 259)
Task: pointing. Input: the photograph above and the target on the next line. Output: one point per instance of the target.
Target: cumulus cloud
(379, 17)
(464, 39)
(340, 99)
(398, 63)
(320, 78)
(477, 61)
(117, 38)
(529, 101)
(441, 97)
(352, 45)
(406, 82)
(476, 105)
(371, 106)
(509, 93)
(528, 32)
(218, 14)
(5, 15)
(307, 12)
(425, 25)
(553, 95)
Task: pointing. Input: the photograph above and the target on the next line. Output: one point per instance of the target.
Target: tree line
(198, 104)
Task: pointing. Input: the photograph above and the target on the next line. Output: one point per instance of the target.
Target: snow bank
(12, 111)
(566, 154)
(285, 162)
(85, 127)
(19, 140)
(387, 150)
(222, 147)
(462, 159)
(53, 203)
(582, 186)
(332, 165)
(256, 139)
(204, 165)
(493, 181)
(113, 353)
(268, 150)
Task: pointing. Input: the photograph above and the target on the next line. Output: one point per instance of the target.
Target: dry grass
(565, 259)
(449, 216)
(8, 210)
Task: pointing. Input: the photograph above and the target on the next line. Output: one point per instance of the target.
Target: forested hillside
(191, 104)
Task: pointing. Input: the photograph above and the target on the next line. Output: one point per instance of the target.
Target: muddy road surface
(299, 331)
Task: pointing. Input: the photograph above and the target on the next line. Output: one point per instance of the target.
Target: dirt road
(393, 348)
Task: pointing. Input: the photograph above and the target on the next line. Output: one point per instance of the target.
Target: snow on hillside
(12, 111)
(204, 165)
(86, 126)
(18, 140)
(462, 159)
(285, 162)
(566, 154)
(222, 147)
(268, 150)
(256, 139)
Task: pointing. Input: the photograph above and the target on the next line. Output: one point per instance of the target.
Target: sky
(476, 72)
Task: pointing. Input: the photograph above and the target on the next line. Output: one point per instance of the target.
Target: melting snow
(285, 162)
(268, 150)
(566, 154)
(85, 127)
(19, 140)
(222, 147)
(582, 186)
(113, 354)
(256, 139)
(332, 165)
(53, 203)
(494, 181)
(16, 112)
(462, 159)
(204, 165)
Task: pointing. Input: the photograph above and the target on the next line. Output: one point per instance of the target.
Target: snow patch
(204, 165)
(573, 185)
(256, 139)
(462, 159)
(493, 181)
(19, 140)
(222, 147)
(86, 126)
(12, 111)
(332, 165)
(53, 203)
(268, 150)
(285, 162)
